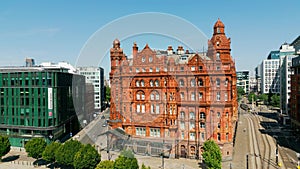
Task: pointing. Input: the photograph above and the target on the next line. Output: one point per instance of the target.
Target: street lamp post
(247, 161)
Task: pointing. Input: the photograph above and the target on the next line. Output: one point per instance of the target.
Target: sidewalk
(16, 159)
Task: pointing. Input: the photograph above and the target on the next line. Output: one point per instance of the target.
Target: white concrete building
(270, 80)
(95, 75)
(286, 54)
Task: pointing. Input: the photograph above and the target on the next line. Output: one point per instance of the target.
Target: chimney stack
(134, 49)
(180, 50)
(170, 50)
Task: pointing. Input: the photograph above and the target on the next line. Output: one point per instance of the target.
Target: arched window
(218, 56)
(157, 96)
(151, 83)
(193, 83)
(156, 83)
(140, 95)
(200, 82)
(142, 83)
(152, 96)
(137, 83)
(181, 83)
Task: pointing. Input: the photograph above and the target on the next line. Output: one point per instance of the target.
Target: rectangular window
(143, 69)
(193, 96)
(157, 69)
(226, 97)
(157, 109)
(140, 131)
(193, 68)
(218, 96)
(192, 125)
(181, 95)
(150, 69)
(152, 108)
(200, 95)
(182, 135)
(138, 108)
(143, 108)
(192, 136)
(200, 67)
(154, 132)
(137, 70)
(202, 136)
(182, 127)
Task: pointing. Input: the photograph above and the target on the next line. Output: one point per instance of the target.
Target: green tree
(49, 152)
(252, 96)
(144, 167)
(275, 100)
(106, 164)
(4, 146)
(263, 97)
(212, 156)
(240, 92)
(126, 160)
(86, 158)
(66, 152)
(35, 147)
(107, 93)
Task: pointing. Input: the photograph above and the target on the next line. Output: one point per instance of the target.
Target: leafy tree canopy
(4, 146)
(107, 164)
(35, 147)
(144, 167)
(212, 155)
(65, 153)
(275, 100)
(252, 96)
(49, 152)
(126, 160)
(86, 158)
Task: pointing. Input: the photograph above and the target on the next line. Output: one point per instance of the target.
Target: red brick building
(176, 96)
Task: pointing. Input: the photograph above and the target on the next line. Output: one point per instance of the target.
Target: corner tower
(219, 44)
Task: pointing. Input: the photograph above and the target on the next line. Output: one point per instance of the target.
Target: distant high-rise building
(243, 80)
(95, 76)
(286, 54)
(270, 80)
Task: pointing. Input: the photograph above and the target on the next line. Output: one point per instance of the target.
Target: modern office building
(270, 76)
(243, 80)
(39, 102)
(95, 76)
(179, 99)
(286, 54)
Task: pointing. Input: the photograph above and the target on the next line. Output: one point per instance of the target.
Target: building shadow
(11, 158)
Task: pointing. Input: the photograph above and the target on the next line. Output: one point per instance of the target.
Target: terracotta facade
(176, 96)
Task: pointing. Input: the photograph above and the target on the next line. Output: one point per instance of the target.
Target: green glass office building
(39, 102)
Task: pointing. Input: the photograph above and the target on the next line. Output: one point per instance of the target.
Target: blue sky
(57, 30)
